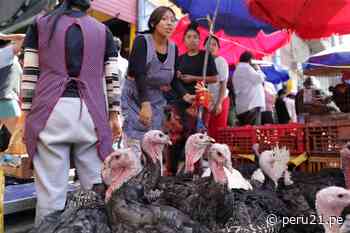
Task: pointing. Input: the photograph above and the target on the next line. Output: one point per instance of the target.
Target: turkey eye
(161, 135)
(201, 137)
(219, 153)
(340, 195)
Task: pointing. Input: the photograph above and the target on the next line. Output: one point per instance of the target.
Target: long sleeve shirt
(248, 86)
(74, 45)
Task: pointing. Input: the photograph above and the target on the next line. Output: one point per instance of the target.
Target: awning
(125, 10)
(17, 14)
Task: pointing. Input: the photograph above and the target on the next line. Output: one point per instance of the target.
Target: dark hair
(4, 43)
(246, 56)
(282, 92)
(214, 38)
(192, 27)
(156, 17)
(63, 8)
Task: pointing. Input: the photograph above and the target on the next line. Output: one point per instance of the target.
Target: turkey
(115, 171)
(84, 213)
(131, 193)
(330, 202)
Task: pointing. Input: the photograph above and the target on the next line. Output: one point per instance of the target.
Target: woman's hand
(145, 114)
(115, 126)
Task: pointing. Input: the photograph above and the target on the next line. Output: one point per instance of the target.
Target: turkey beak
(211, 140)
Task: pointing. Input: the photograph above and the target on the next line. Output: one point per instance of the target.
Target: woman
(151, 72)
(190, 72)
(221, 102)
(68, 56)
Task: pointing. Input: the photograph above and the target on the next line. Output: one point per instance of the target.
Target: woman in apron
(68, 56)
(151, 72)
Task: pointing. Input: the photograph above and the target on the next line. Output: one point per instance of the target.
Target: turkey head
(195, 147)
(153, 144)
(219, 157)
(220, 164)
(118, 168)
(330, 203)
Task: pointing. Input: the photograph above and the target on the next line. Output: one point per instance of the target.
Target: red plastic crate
(241, 139)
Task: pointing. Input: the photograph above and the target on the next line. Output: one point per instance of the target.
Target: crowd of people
(78, 100)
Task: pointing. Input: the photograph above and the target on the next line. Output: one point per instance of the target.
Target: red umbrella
(310, 19)
(232, 46)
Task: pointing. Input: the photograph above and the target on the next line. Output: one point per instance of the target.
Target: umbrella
(310, 19)
(329, 62)
(232, 46)
(233, 16)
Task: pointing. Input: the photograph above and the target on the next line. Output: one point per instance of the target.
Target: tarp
(232, 47)
(310, 19)
(233, 16)
(331, 61)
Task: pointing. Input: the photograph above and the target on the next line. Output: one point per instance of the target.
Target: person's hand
(145, 114)
(217, 109)
(17, 40)
(115, 126)
(189, 98)
(179, 74)
(200, 87)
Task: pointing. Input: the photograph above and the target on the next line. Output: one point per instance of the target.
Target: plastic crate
(241, 139)
(291, 136)
(316, 163)
(327, 138)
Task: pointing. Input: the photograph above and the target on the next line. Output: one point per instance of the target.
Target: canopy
(233, 47)
(233, 16)
(329, 62)
(310, 19)
(14, 15)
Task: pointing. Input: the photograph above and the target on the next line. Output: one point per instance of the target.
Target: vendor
(68, 56)
(221, 102)
(151, 74)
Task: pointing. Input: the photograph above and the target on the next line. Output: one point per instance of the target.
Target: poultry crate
(327, 138)
(316, 163)
(241, 139)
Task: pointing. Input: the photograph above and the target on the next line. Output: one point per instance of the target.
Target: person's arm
(137, 67)
(112, 75)
(31, 70)
(211, 76)
(176, 84)
(223, 73)
(255, 77)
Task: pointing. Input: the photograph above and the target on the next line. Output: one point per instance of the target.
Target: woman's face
(166, 25)
(192, 40)
(214, 47)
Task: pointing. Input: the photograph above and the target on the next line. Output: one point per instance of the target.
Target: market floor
(21, 222)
